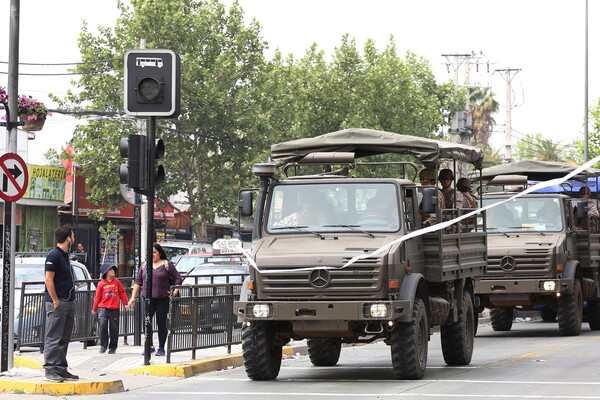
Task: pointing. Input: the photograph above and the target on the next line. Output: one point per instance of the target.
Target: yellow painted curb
(198, 367)
(65, 388)
(20, 361)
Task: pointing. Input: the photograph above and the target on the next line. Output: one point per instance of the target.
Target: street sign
(14, 177)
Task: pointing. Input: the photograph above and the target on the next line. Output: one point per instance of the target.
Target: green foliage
(536, 147)
(235, 104)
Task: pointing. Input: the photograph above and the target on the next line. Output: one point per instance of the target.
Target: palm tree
(483, 105)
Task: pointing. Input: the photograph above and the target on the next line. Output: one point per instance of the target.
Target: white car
(176, 249)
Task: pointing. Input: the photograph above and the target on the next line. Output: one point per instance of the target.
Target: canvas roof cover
(538, 170)
(369, 142)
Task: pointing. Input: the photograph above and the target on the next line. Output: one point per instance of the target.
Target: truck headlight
(260, 310)
(379, 310)
(549, 285)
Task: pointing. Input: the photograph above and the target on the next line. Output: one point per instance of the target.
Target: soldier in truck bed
(427, 178)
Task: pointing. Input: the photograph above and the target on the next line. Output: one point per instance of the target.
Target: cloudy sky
(543, 39)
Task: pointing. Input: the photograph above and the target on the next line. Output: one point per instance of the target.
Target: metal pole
(586, 111)
(8, 279)
(149, 235)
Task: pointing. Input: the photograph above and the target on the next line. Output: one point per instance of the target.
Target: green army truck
(317, 274)
(543, 250)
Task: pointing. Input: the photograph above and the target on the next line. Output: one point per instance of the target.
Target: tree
(483, 106)
(536, 147)
(222, 60)
(235, 103)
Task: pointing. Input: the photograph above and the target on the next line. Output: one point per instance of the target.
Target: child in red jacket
(106, 303)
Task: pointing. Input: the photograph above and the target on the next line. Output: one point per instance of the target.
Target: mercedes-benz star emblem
(319, 278)
(508, 263)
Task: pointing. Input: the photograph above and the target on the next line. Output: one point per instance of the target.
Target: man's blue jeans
(59, 326)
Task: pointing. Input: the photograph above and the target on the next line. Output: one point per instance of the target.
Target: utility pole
(461, 130)
(508, 124)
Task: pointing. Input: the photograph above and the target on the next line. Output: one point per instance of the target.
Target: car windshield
(216, 274)
(29, 273)
(333, 207)
(186, 264)
(173, 253)
(524, 214)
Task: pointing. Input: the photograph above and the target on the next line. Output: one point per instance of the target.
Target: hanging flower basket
(32, 125)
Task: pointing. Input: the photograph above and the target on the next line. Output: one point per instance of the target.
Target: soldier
(464, 186)
(452, 198)
(427, 178)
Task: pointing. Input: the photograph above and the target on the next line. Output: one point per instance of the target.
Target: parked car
(32, 314)
(214, 296)
(176, 249)
(189, 261)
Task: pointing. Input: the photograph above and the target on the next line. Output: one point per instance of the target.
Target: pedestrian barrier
(200, 317)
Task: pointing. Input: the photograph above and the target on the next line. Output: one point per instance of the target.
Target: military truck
(538, 258)
(317, 273)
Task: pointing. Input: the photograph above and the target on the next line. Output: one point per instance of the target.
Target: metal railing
(200, 317)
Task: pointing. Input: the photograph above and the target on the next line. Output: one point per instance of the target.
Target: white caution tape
(432, 228)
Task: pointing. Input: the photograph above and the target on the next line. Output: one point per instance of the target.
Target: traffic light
(159, 170)
(135, 173)
(152, 83)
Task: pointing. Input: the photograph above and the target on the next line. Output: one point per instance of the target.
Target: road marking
(475, 381)
(373, 395)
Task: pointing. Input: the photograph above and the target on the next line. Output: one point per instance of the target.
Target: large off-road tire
(548, 314)
(501, 318)
(458, 337)
(570, 311)
(262, 357)
(593, 314)
(324, 352)
(409, 341)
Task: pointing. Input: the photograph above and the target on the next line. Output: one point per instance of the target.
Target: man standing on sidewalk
(60, 306)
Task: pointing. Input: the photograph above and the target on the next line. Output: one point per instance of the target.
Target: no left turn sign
(14, 177)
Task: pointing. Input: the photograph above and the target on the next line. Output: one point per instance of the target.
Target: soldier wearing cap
(427, 178)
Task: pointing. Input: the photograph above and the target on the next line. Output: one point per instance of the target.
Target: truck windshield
(524, 214)
(334, 207)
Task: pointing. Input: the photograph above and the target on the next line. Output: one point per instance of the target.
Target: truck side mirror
(245, 203)
(430, 200)
(581, 209)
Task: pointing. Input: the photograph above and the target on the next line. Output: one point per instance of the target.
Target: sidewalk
(125, 370)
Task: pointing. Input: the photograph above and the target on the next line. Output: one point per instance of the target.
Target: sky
(544, 40)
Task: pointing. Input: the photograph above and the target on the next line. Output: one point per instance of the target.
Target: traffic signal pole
(150, 194)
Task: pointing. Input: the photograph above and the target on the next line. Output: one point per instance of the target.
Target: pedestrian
(106, 303)
(60, 306)
(164, 275)
(82, 256)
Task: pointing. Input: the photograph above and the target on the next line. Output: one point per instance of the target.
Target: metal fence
(200, 317)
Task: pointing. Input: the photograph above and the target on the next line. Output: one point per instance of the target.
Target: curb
(197, 367)
(102, 387)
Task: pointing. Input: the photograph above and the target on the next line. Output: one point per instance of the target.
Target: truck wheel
(570, 311)
(548, 314)
(409, 341)
(501, 318)
(458, 337)
(593, 311)
(324, 352)
(262, 357)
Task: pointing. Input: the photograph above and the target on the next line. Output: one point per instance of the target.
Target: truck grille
(533, 262)
(360, 280)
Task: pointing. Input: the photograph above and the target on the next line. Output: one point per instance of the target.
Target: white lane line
(378, 395)
(475, 381)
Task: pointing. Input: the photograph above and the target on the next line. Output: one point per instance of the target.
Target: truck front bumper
(384, 310)
(536, 286)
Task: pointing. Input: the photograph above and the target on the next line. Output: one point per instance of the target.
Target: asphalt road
(531, 361)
